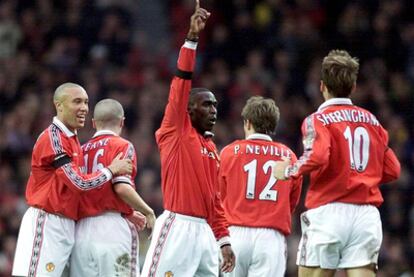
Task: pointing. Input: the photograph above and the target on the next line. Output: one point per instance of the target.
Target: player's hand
(150, 220)
(138, 219)
(229, 260)
(198, 21)
(279, 168)
(120, 166)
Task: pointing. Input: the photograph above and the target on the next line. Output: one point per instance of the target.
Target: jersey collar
(208, 134)
(63, 128)
(335, 101)
(259, 136)
(104, 132)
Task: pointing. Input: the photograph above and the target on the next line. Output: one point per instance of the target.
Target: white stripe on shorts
(37, 243)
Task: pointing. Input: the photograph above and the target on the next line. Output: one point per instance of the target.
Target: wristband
(111, 174)
(224, 241)
(226, 244)
(192, 39)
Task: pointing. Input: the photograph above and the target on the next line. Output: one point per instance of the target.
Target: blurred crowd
(126, 49)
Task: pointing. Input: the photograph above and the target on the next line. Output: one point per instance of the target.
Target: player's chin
(80, 124)
(209, 126)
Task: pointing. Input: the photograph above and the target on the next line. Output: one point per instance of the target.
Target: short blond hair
(339, 72)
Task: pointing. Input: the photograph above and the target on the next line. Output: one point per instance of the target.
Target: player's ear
(93, 123)
(190, 109)
(321, 86)
(121, 124)
(58, 106)
(353, 88)
(247, 124)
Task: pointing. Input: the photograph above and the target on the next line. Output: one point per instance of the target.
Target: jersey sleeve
(54, 154)
(295, 191)
(391, 168)
(222, 176)
(176, 118)
(218, 221)
(128, 151)
(316, 145)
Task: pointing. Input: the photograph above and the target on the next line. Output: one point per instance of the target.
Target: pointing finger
(197, 6)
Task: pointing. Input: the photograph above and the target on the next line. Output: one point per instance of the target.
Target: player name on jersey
(270, 150)
(93, 145)
(347, 115)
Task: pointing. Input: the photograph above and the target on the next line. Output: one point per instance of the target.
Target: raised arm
(176, 118)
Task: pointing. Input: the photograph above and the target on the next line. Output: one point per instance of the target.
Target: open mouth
(212, 120)
(81, 118)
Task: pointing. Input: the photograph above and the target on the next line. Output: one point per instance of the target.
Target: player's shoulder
(120, 140)
(121, 144)
(281, 145)
(364, 110)
(284, 147)
(313, 116)
(230, 146)
(52, 132)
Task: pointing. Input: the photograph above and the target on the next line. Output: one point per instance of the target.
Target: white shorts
(339, 235)
(259, 252)
(181, 246)
(106, 246)
(44, 244)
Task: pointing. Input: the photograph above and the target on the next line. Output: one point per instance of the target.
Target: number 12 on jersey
(267, 193)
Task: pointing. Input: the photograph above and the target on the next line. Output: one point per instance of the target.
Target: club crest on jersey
(169, 274)
(50, 267)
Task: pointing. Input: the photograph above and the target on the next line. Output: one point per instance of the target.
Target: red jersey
(99, 153)
(251, 196)
(56, 181)
(346, 152)
(189, 160)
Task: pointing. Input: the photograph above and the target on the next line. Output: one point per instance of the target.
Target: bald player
(106, 242)
(47, 231)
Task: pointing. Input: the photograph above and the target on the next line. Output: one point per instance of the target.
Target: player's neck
(249, 132)
(327, 95)
(114, 130)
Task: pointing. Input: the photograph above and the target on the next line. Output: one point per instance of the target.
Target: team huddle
(226, 213)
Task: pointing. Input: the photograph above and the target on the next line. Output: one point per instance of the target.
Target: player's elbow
(121, 189)
(391, 175)
(395, 174)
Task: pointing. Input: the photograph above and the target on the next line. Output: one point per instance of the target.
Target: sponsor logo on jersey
(209, 154)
